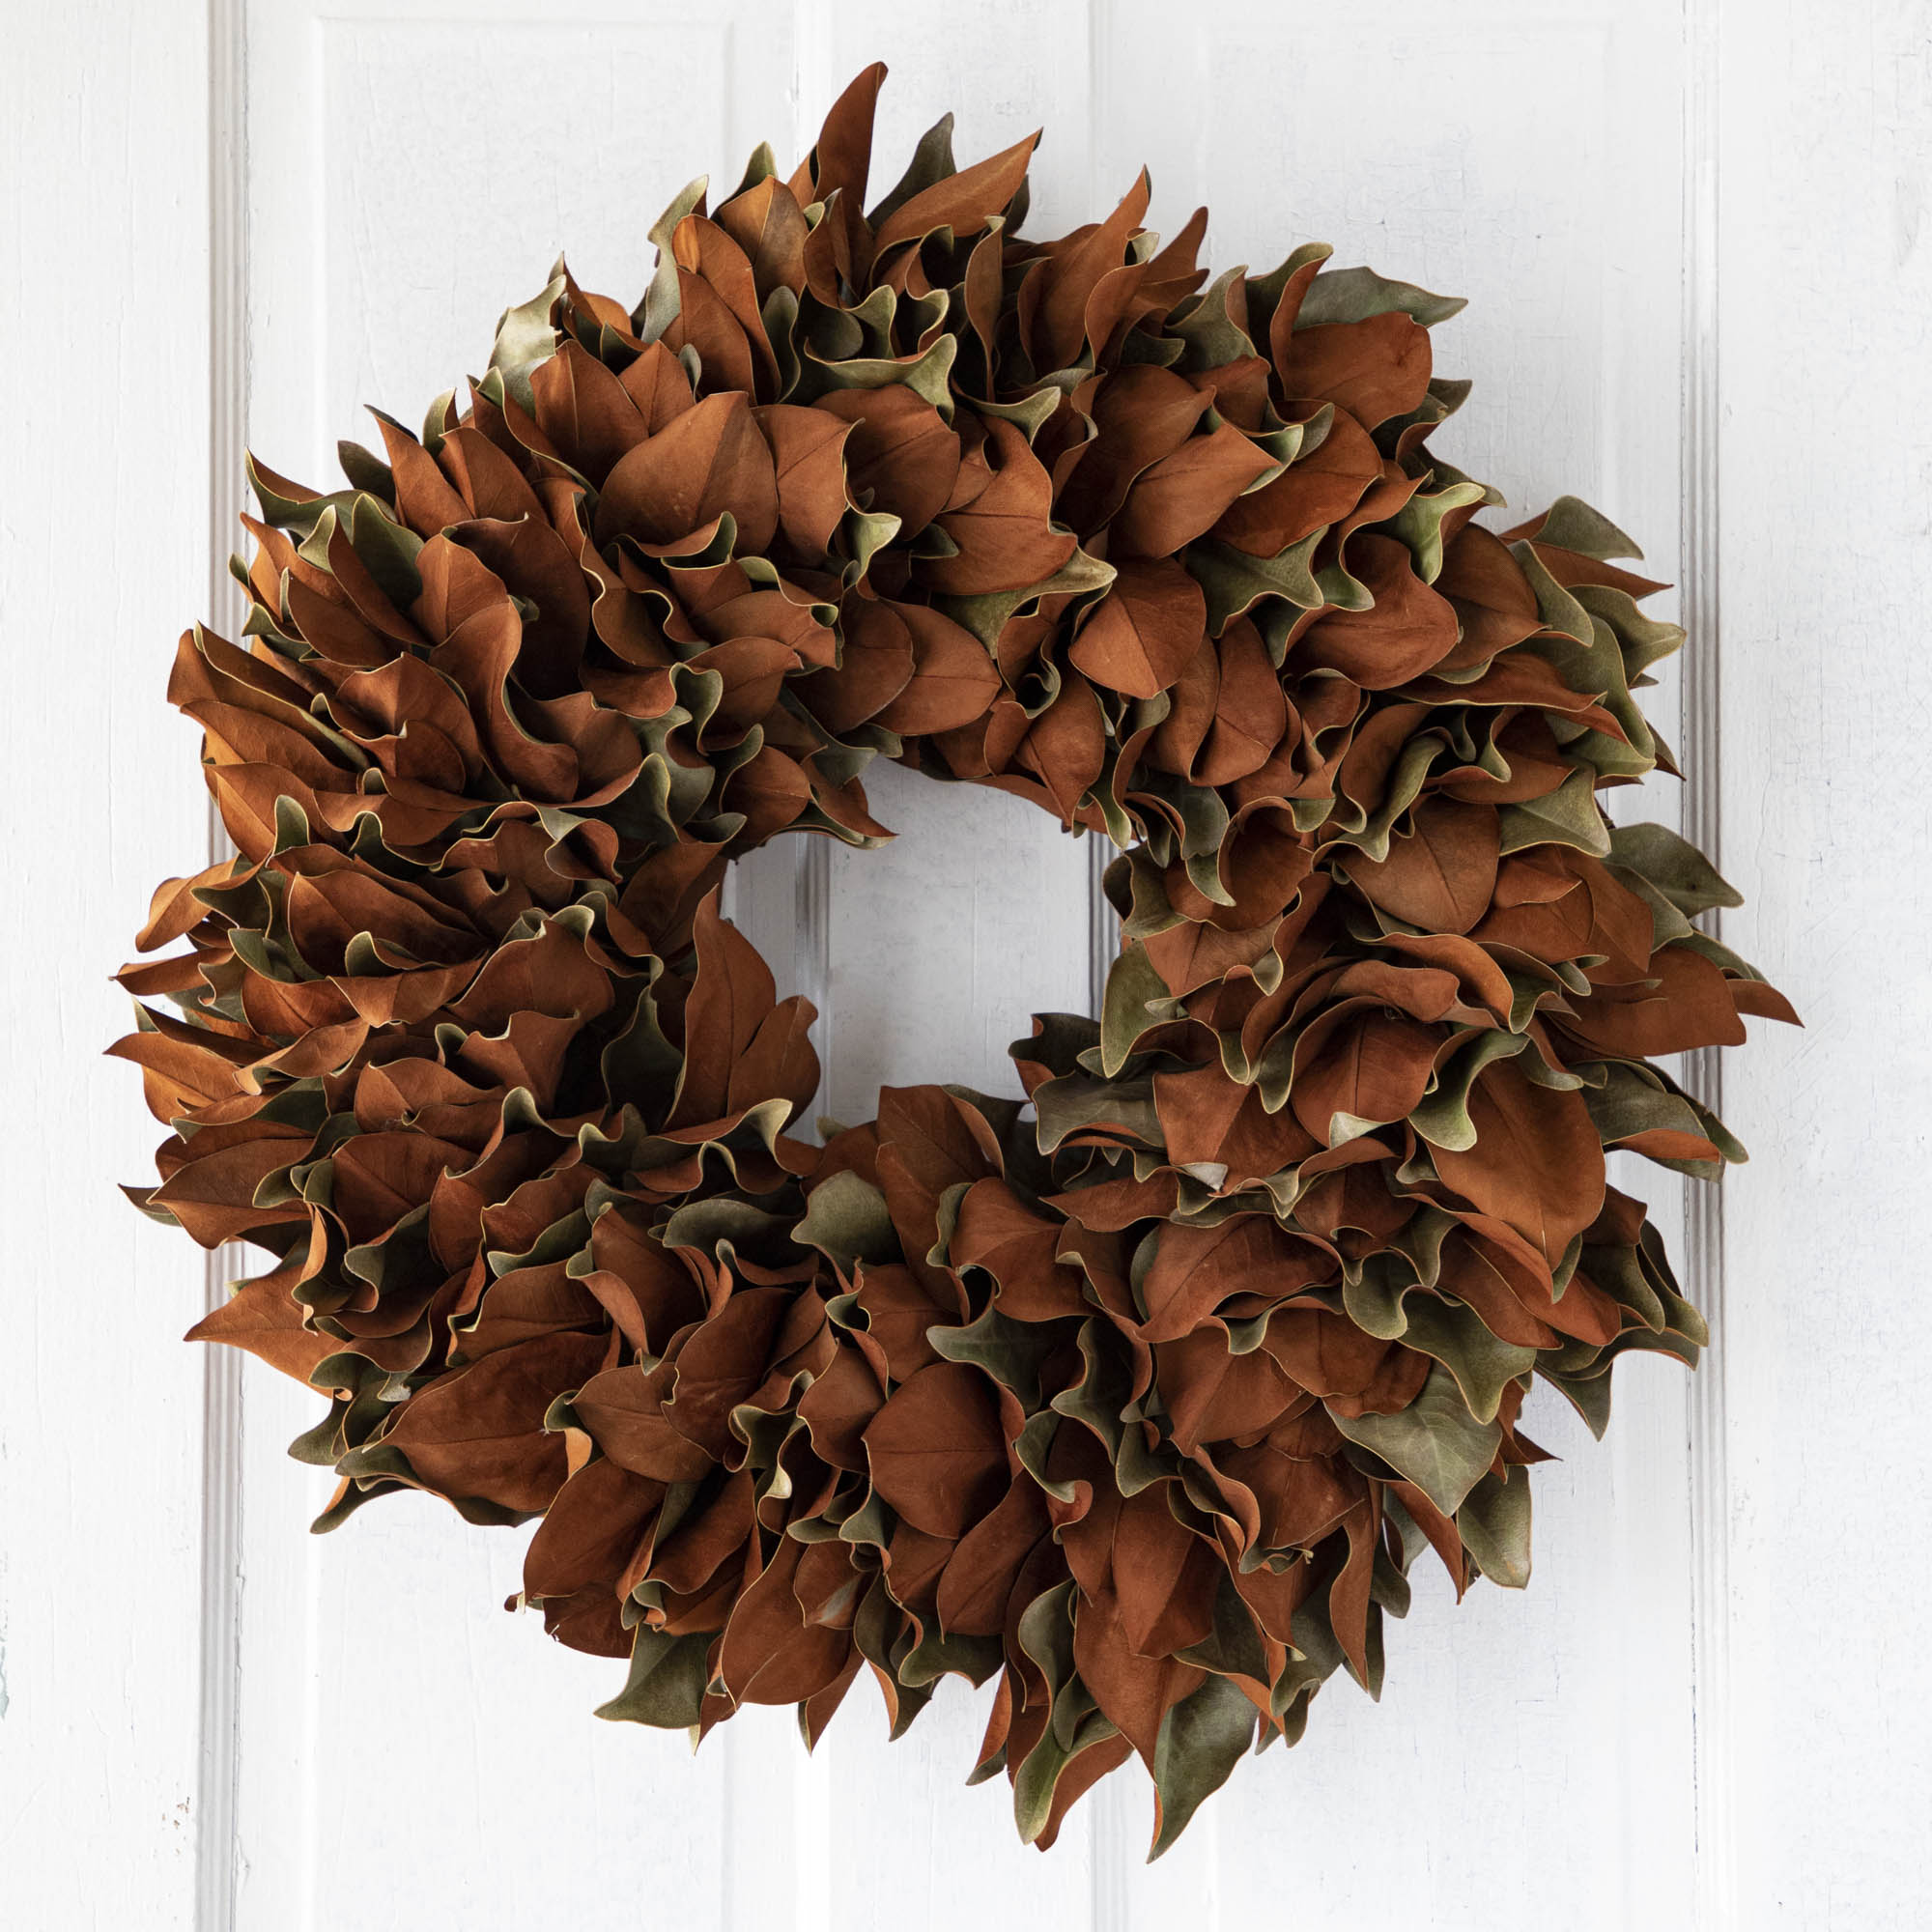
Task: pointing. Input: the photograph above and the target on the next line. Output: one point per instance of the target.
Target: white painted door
(1692, 242)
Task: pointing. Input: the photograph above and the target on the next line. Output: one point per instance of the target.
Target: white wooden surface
(104, 534)
(1683, 226)
(1826, 502)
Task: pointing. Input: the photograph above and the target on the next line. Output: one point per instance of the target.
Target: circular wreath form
(1136, 1398)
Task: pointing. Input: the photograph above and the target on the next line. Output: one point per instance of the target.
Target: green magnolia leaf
(1419, 524)
(1030, 413)
(1040, 1770)
(1570, 815)
(1374, 1299)
(1202, 1739)
(1401, 789)
(366, 471)
(1078, 1101)
(1009, 1351)
(1598, 665)
(386, 550)
(1435, 1441)
(1641, 639)
(659, 308)
(987, 616)
(1636, 1100)
(926, 374)
(1571, 524)
(1493, 1523)
(526, 337)
(1588, 1395)
(665, 1687)
(1674, 867)
(1442, 1118)
(1133, 985)
(1264, 292)
(845, 1216)
(1235, 581)
(1355, 294)
(1560, 611)
(931, 163)
(1234, 1645)
(1456, 1336)
(1210, 336)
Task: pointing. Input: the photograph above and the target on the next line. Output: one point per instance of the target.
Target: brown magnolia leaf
(589, 1533)
(964, 202)
(1067, 745)
(1184, 495)
(1364, 1067)
(1150, 623)
(998, 1232)
(1141, 414)
(1059, 317)
(1196, 1270)
(770, 1654)
(479, 1433)
(1409, 628)
(1374, 369)
(900, 1313)
(999, 521)
(1164, 1575)
(708, 461)
(1134, 1697)
(1493, 600)
(263, 1316)
(724, 1362)
(977, 1582)
(1439, 873)
(808, 470)
(623, 1411)
(1315, 491)
(901, 459)
(1212, 1393)
(1536, 1162)
(1250, 712)
(656, 382)
(936, 1450)
(581, 407)
(733, 994)
(953, 679)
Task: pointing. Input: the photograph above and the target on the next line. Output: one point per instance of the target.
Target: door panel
(410, 170)
(1522, 156)
(1825, 578)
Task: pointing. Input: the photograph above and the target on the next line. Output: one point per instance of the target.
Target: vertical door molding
(221, 1461)
(1715, 1871)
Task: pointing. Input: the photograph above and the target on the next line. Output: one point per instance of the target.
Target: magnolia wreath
(1137, 1397)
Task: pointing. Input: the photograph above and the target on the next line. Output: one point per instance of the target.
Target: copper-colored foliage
(1137, 1398)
